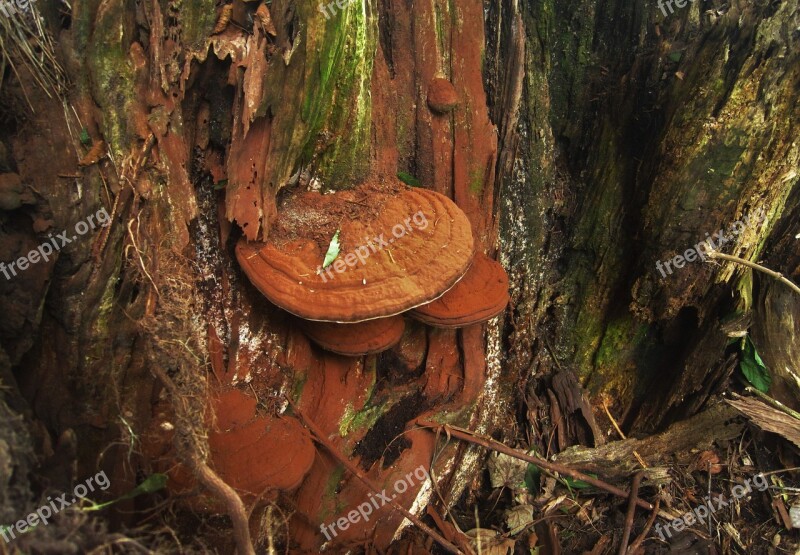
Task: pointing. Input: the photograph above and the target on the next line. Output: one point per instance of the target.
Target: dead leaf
(224, 18)
(95, 154)
(553, 504)
(491, 543)
(586, 512)
(265, 20)
(708, 461)
(518, 518)
(506, 471)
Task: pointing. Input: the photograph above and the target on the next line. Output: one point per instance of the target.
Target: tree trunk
(592, 139)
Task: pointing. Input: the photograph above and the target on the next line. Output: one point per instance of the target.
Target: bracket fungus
(481, 295)
(238, 437)
(399, 248)
(362, 338)
(442, 96)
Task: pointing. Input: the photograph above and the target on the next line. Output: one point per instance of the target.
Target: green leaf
(333, 250)
(675, 56)
(572, 483)
(753, 368)
(221, 184)
(533, 479)
(153, 483)
(409, 179)
(86, 140)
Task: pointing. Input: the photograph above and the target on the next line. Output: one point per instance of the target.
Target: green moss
(623, 351)
(112, 74)
(331, 504)
(621, 336)
(197, 19)
(353, 420)
(476, 181)
(101, 319)
(337, 102)
(298, 386)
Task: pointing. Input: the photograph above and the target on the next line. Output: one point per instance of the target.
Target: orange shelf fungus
(362, 338)
(442, 96)
(481, 295)
(399, 248)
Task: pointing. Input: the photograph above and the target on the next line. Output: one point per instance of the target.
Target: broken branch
(774, 402)
(489, 443)
(772, 273)
(626, 533)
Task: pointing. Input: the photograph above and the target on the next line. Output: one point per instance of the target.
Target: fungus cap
(399, 248)
(362, 338)
(481, 295)
(442, 96)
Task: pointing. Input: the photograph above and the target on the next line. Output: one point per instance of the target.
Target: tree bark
(593, 139)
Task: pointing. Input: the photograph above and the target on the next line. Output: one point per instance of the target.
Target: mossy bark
(643, 133)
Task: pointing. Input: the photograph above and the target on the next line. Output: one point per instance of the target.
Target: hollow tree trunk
(592, 140)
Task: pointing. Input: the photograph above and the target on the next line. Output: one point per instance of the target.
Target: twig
(774, 402)
(489, 443)
(622, 435)
(793, 469)
(321, 438)
(209, 479)
(772, 273)
(552, 354)
(637, 543)
(626, 532)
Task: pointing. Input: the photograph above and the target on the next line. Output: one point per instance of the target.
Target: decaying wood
(768, 418)
(753, 265)
(577, 411)
(489, 443)
(617, 459)
(776, 334)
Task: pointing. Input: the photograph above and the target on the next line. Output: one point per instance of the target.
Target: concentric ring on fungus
(414, 245)
(479, 296)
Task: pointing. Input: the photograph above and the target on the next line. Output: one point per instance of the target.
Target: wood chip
(768, 418)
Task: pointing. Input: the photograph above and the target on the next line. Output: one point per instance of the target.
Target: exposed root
(194, 459)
